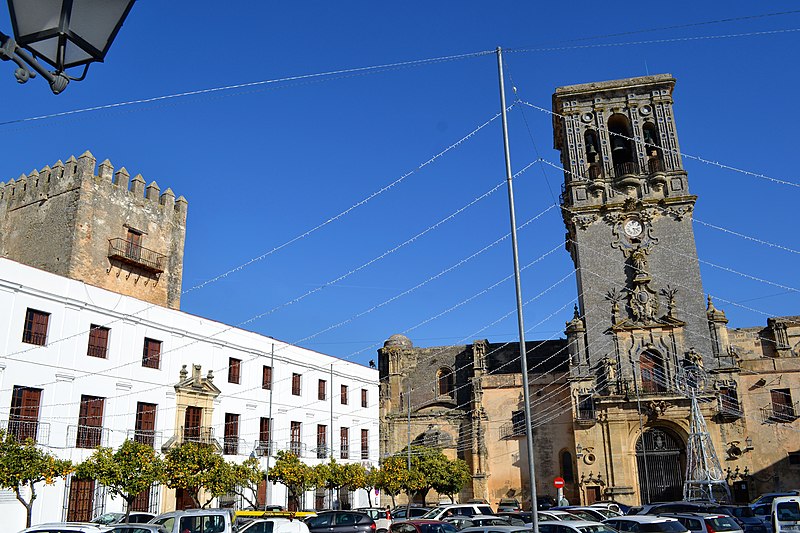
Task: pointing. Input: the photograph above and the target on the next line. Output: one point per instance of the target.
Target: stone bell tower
(627, 208)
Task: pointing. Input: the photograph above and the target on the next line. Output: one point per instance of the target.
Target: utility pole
(269, 424)
(408, 403)
(522, 351)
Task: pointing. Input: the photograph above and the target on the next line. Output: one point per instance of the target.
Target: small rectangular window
(365, 444)
(344, 395)
(322, 389)
(231, 441)
(23, 420)
(344, 443)
(364, 401)
(90, 422)
(322, 441)
(151, 355)
(295, 384)
(295, 446)
(98, 341)
(234, 370)
(145, 423)
(782, 407)
(264, 437)
(266, 378)
(35, 331)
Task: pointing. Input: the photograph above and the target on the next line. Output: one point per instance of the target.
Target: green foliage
(296, 475)
(22, 464)
(430, 469)
(193, 467)
(127, 472)
(452, 479)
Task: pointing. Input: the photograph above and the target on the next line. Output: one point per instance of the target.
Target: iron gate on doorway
(660, 460)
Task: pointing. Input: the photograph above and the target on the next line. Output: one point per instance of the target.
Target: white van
(786, 514)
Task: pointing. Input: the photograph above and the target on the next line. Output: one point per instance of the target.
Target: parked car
(672, 507)
(341, 522)
(769, 496)
(464, 509)
(201, 520)
(136, 528)
(707, 522)
(545, 502)
(497, 529)
(578, 526)
(645, 524)
(422, 526)
(590, 514)
(463, 522)
(382, 517)
(786, 514)
(518, 519)
(556, 516)
(509, 505)
(405, 513)
(108, 519)
(619, 508)
(746, 518)
(64, 527)
(274, 525)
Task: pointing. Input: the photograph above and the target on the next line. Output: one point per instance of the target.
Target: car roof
(422, 521)
(695, 515)
(641, 518)
(494, 528)
(61, 525)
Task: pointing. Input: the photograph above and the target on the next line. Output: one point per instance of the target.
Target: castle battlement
(93, 223)
(39, 185)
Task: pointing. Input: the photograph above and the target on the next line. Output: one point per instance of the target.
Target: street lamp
(63, 34)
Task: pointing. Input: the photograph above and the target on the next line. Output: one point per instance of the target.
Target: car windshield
(740, 512)
(258, 527)
(107, 518)
(597, 529)
(787, 512)
(671, 526)
(583, 515)
(437, 528)
(722, 523)
(433, 512)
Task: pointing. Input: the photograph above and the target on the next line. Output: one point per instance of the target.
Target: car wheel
(382, 531)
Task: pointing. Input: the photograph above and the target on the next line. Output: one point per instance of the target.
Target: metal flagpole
(522, 351)
(270, 445)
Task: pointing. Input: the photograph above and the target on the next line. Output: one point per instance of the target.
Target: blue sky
(261, 165)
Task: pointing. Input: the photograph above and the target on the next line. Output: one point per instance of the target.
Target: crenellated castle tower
(89, 223)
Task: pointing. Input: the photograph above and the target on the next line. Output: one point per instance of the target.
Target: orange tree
(22, 464)
(125, 473)
(194, 467)
(354, 477)
(297, 476)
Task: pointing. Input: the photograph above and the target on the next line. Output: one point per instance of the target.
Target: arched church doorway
(661, 462)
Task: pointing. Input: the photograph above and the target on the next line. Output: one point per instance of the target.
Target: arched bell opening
(619, 129)
(592, 144)
(655, 156)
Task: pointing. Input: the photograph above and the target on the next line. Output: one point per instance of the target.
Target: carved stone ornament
(679, 212)
(584, 221)
(642, 300)
(657, 408)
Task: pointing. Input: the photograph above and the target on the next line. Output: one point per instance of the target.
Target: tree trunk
(394, 503)
(28, 505)
(369, 496)
(129, 501)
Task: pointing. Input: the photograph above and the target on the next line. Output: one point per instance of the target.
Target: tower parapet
(90, 223)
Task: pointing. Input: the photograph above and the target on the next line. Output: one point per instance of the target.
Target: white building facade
(83, 367)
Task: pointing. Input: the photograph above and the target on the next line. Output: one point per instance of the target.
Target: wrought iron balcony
(232, 445)
(264, 448)
(143, 436)
(364, 453)
(322, 451)
(728, 408)
(655, 165)
(296, 447)
(23, 430)
(779, 413)
(344, 452)
(87, 436)
(585, 414)
(137, 255)
(197, 434)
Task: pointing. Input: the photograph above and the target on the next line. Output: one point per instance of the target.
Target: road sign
(558, 482)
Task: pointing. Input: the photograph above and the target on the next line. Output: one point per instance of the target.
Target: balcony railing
(512, 430)
(87, 436)
(364, 453)
(628, 168)
(23, 430)
(322, 451)
(779, 413)
(232, 445)
(728, 408)
(197, 434)
(296, 447)
(264, 448)
(134, 254)
(144, 436)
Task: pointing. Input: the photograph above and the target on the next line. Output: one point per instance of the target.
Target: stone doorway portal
(661, 461)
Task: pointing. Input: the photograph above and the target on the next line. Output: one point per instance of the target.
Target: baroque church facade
(610, 403)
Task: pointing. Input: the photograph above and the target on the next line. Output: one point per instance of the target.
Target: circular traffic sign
(558, 482)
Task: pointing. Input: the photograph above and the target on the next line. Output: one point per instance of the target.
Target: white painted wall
(64, 372)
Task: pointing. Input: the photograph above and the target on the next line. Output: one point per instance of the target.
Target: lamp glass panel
(46, 48)
(35, 16)
(95, 20)
(74, 54)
